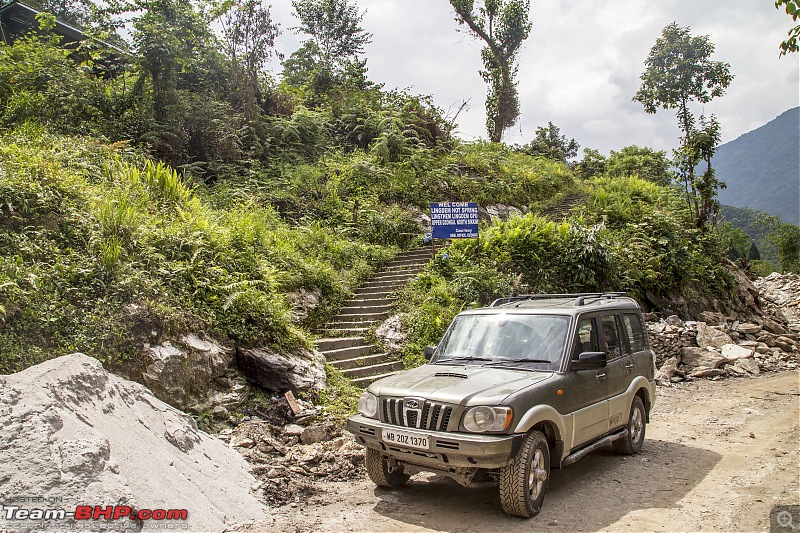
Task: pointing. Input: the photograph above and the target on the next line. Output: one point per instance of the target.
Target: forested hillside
(762, 168)
(191, 191)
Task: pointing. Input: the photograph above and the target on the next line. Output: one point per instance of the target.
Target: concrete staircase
(344, 341)
(563, 209)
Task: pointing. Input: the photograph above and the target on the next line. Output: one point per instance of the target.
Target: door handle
(601, 375)
(629, 367)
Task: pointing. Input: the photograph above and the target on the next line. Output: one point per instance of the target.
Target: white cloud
(581, 65)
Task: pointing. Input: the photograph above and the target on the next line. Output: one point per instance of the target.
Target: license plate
(406, 438)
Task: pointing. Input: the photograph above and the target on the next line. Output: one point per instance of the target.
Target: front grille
(433, 416)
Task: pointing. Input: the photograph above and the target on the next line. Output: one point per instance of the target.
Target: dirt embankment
(718, 457)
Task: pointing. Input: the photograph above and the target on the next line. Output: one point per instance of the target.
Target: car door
(586, 391)
(619, 371)
(641, 354)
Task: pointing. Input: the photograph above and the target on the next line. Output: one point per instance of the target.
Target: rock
(186, 372)
(748, 328)
(749, 365)
(391, 333)
(501, 211)
(700, 357)
(243, 442)
(773, 326)
(93, 438)
(761, 347)
(732, 352)
(315, 434)
(667, 370)
(709, 336)
(293, 430)
(219, 412)
(302, 370)
(303, 302)
(707, 373)
(711, 317)
(674, 320)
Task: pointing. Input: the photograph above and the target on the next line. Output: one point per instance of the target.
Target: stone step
(425, 251)
(352, 352)
(402, 269)
(368, 302)
(362, 362)
(365, 381)
(345, 332)
(376, 292)
(365, 309)
(391, 276)
(327, 344)
(350, 324)
(406, 264)
(385, 284)
(372, 370)
(358, 317)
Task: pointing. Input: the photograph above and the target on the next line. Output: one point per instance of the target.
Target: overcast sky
(581, 64)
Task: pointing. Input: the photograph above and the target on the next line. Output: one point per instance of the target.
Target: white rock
(734, 352)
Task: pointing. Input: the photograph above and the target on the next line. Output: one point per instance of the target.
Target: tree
(170, 36)
(792, 8)
(679, 70)
(593, 163)
(648, 164)
(503, 25)
(549, 143)
(249, 40)
(334, 27)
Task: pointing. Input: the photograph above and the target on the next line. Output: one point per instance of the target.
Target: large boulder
(702, 357)
(708, 336)
(299, 371)
(72, 431)
(391, 333)
(193, 373)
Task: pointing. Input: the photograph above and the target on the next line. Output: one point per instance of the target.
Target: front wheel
(631, 444)
(523, 483)
(378, 470)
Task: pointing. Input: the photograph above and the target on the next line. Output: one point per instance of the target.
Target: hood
(458, 384)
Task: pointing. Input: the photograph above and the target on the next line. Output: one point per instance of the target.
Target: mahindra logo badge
(411, 403)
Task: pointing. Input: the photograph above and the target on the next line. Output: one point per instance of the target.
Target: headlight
(368, 405)
(483, 419)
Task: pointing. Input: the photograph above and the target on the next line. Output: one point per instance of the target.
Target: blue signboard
(454, 220)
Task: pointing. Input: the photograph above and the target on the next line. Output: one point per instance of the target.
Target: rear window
(633, 326)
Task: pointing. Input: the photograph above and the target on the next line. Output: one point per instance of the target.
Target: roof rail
(580, 297)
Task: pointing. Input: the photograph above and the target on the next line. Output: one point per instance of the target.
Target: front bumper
(446, 450)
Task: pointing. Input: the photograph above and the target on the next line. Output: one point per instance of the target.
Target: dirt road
(718, 457)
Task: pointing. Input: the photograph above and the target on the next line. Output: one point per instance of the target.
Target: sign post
(454, 220)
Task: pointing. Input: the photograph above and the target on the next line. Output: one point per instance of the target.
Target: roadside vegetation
(185, 185)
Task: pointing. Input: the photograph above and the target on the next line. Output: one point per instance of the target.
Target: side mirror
(590, 361)
(428, 352)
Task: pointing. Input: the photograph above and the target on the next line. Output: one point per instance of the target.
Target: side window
(633, 326)
(611, 341)
(586, 339)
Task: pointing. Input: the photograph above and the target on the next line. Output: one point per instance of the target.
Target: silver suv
(512, 390)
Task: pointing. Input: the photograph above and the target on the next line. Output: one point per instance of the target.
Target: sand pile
(71, 434)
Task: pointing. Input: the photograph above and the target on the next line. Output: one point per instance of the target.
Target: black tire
(631, 444)
(523, 483)
(378, 471)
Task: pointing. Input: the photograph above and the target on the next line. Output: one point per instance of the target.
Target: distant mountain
(762, 168)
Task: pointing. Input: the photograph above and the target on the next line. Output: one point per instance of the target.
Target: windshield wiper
(516, 361)
(466, 358)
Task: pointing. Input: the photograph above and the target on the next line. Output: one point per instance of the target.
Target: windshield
(521, 341)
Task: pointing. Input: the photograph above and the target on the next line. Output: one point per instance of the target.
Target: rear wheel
(378, 470)
(524, 482)
(631, 444)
